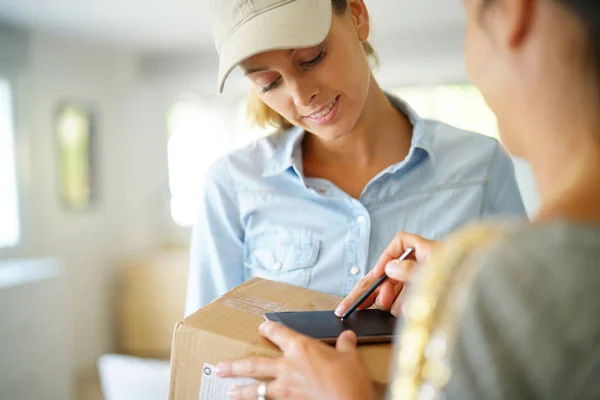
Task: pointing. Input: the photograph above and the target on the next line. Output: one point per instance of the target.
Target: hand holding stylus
(388, 296)
(373, 288)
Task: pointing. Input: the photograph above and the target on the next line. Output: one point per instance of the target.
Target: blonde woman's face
(322, 89)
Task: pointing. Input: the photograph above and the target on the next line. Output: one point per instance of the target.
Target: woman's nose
(303, 92)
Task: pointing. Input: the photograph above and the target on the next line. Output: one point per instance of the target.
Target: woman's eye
(309, 63)
(271, 86)
(314, 61)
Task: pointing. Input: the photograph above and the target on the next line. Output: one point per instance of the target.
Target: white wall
(34, 333)
(91, 243)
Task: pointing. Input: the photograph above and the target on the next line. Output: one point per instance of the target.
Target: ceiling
(181, 25)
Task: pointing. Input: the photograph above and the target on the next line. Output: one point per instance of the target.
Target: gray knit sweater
(530, 328)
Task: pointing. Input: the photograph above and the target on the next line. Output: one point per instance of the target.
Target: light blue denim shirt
(261, 217)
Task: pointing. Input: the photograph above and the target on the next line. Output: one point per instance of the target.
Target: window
(200, 132)
(10, 229)
(461, 106)
(74, 135)
(189, 154)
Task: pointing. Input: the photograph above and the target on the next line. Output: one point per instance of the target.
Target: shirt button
(355, 270)
(361, 219)
(277, 266)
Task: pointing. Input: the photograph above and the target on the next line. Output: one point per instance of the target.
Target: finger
(395, 249)
(396, 308)
(284, 337)
(253, 367)
(346, 342)
(400, 271)
(388, 295)
(249, 392)
(361, 287)
(369, 301)
(401, 242)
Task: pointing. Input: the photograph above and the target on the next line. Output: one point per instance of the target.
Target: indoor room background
(108, 120)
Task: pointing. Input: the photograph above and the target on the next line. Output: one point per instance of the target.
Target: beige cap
(244, 28)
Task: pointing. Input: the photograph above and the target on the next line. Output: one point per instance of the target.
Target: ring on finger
(261, 391)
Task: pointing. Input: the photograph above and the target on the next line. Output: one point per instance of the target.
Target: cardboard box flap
(237, 314)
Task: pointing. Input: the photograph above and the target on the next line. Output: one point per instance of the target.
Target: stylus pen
(373, 287)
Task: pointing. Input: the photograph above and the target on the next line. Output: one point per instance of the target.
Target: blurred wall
(88, 243)
(36, 360)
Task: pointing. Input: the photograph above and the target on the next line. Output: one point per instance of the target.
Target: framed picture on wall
(75, 128)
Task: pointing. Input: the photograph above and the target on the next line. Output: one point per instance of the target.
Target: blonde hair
(261, 115)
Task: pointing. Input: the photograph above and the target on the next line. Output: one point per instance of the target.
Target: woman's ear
(360, 17)
(514, 21)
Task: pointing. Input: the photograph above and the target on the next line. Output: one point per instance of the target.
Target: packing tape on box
(250, 304)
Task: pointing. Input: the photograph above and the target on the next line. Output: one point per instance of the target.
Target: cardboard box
(227, 329)
(151, 299)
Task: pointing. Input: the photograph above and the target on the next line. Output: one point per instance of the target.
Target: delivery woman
(315, 204)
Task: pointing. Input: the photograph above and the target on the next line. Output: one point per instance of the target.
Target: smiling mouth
(324, 111)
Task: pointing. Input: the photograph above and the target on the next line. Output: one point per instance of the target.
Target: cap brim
(297, 24)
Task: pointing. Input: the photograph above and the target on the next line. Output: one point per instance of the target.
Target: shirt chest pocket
(286, 256)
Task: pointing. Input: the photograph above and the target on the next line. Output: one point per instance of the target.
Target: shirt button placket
(362, 242)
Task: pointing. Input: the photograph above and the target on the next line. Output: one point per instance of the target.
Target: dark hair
(588, 11)
(339, 6)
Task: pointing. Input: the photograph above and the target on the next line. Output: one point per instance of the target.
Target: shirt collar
(421, 136)
(288, 152)
(288, 149)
